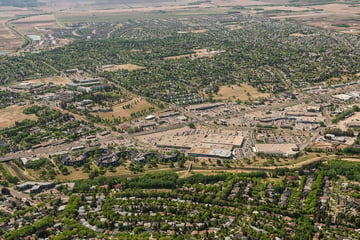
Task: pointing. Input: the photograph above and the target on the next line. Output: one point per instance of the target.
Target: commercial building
(35, 187)
(186, 141)
(215, 152)
(204, 106)
(169, 114)
(201, 144)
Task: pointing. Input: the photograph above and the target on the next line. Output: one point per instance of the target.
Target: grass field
(12, 114)
(129, 67)
(120, 110)
(243, 92)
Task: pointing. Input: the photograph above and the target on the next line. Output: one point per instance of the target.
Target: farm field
(35, 24)
(334, 16)
(8, 40)
(353, 119)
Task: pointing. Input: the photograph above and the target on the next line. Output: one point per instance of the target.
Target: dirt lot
(129, 67)
(198, 53)
(12, 114)
(57, 80)
(354, 118)
(243, 92)
(137, 104)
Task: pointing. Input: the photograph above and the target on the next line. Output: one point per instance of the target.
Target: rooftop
(183, 140)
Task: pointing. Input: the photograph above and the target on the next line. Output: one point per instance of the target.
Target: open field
(35, 24)
(8, 40)
(334, 16)
(57, 80)
(354, 118)
(123, 15)
(243, 92)
(120, 110)
(75, 174)
(12, 114)
(129, 67)
(10, 12)
(198, 54)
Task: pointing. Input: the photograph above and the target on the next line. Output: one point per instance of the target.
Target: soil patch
(129, 67)
(12, 114)
(57, 80)
(126, 109)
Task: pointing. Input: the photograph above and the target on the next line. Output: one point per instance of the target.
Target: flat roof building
(343, 97)
(204, 106)
(212, 153)
(188, 141)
